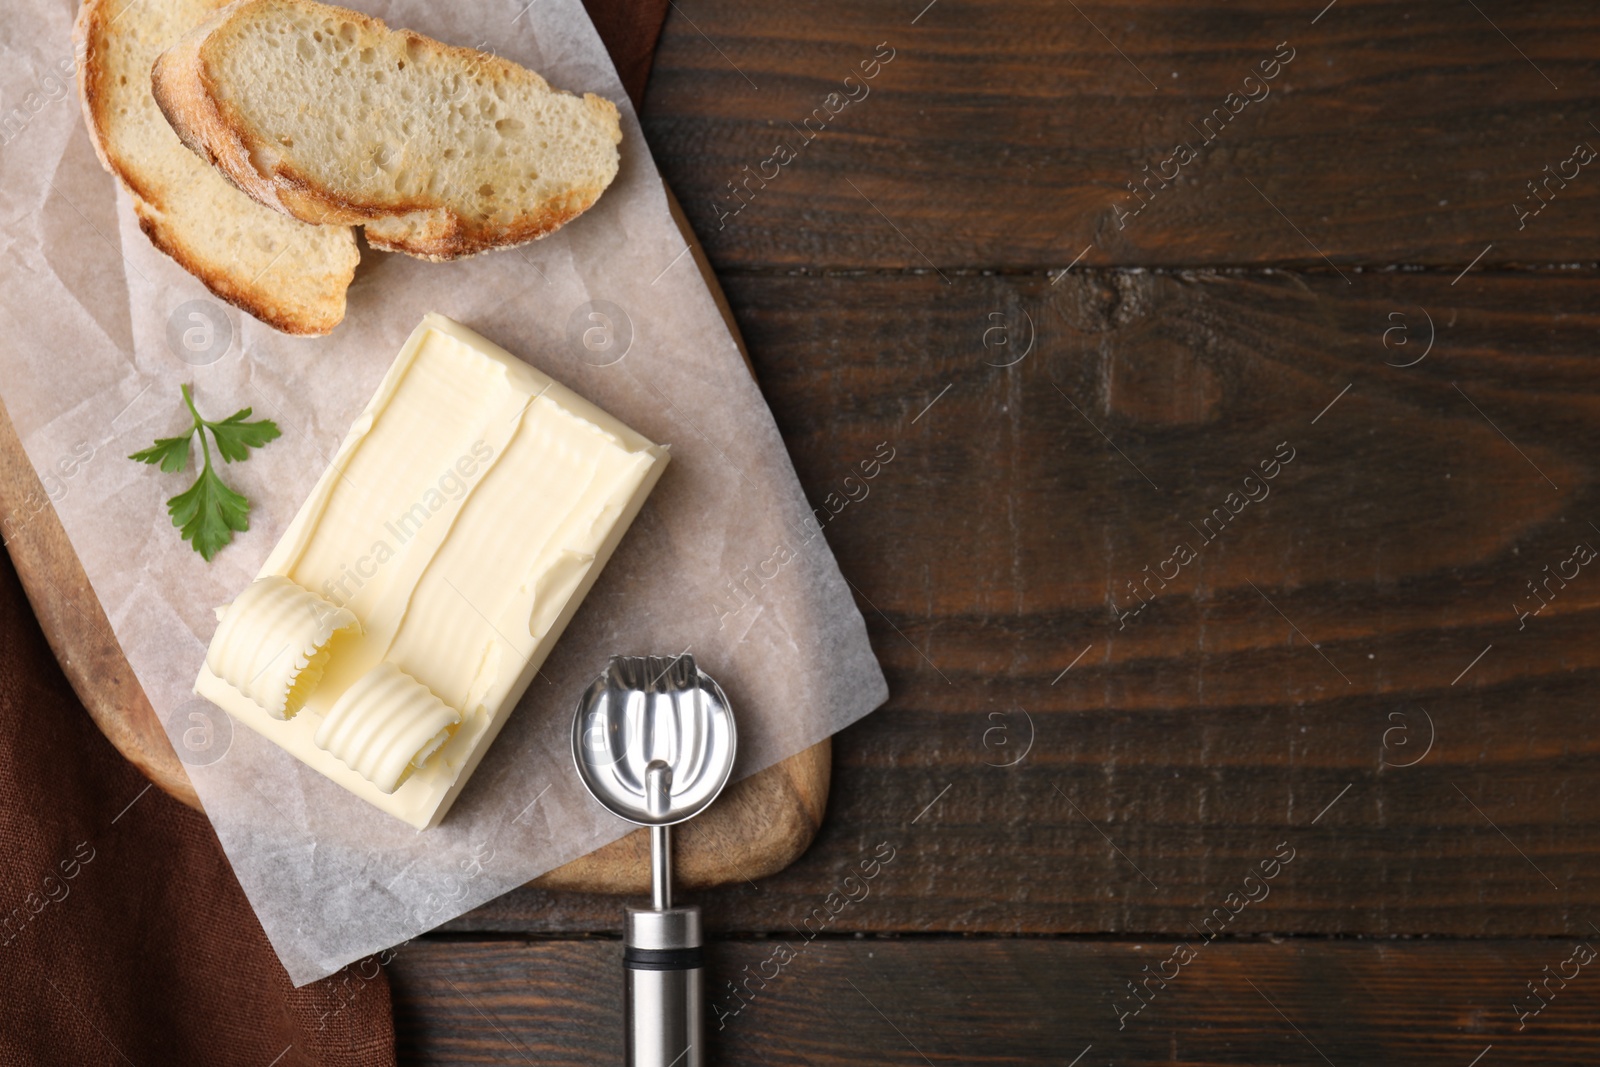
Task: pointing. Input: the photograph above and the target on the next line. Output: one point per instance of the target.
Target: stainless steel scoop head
(656, 712)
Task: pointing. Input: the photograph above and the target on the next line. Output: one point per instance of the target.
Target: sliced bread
(327, 114)
(286, 273)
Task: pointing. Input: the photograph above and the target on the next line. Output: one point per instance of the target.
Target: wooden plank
(1004, 133)
(1179, 749)
(1019, 1002)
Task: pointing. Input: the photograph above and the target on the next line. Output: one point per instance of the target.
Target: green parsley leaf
(171, 452)
(209, 511)
(235, 437)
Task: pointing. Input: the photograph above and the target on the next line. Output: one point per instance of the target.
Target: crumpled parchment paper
(725, 561)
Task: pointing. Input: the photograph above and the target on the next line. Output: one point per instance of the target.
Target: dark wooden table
(1183, 764)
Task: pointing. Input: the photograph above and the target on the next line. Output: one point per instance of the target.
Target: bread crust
(420, 226)
(289, 317)
(183, 92)
(88, 36)
(91, 31)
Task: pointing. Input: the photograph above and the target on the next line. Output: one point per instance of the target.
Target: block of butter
(415, 595)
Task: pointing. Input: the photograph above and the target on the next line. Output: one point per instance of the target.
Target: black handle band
(663, 959)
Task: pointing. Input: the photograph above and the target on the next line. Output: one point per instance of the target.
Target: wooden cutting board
(758, 827)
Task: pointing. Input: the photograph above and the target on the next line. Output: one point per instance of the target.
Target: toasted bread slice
(327, 114)
(284, 272)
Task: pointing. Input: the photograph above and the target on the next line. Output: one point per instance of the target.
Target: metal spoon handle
(658, 796)
(663, 994)
(661, 867)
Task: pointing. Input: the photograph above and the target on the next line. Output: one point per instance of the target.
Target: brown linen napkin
(124, 936)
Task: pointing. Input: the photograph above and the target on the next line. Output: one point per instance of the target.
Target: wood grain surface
(1004, 133)
(1202, 731)
(1020, 1002)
